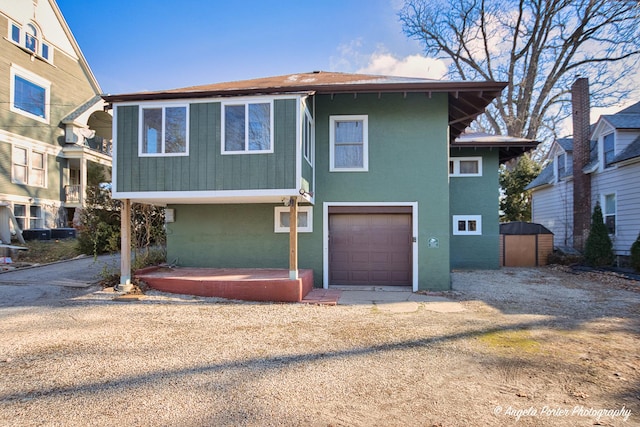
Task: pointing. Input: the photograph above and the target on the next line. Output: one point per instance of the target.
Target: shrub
(635, 254)
(598, 251)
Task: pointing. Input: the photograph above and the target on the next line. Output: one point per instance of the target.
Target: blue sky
(136, 45)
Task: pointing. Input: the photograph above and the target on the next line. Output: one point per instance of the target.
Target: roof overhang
(467, 99)
(509, 147)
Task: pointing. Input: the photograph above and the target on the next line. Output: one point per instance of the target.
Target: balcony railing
(72, 193)
(97, 143)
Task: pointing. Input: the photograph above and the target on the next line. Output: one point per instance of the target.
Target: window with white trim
(349, 143)
(561, 165)
(247, 127)
(28, 215)
(307, 137)
(305, 219)
(465, 166)
(35, 216)
(30, 38)
(608, 149)
(29, 167)
(164, 130)
(30, 94)
(467, 225)
(609, 212)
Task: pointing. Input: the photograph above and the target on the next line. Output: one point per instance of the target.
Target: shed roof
(521, 227)
(509, 147)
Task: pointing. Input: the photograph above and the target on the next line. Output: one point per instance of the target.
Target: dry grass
(45, 251)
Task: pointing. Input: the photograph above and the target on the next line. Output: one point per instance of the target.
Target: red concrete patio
(248, 284)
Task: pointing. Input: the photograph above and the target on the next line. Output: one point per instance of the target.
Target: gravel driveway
(531, 346)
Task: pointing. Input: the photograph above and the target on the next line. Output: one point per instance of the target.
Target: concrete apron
(395, 299)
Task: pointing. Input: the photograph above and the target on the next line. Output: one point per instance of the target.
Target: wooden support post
(293, 238)
(125, 247)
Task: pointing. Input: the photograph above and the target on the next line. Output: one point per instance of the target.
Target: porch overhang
(164, 198)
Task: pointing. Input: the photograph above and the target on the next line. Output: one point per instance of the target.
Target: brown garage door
(370, 249)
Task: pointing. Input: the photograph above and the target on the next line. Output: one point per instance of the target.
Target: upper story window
(247, 127)
(29, 167)
(609, 213)
(307, 137)
(164, 130)
(349, 143)
(608, 149)
(561, 162)
(467, 225)
(30, 94)
(30, 38)
(465, 166)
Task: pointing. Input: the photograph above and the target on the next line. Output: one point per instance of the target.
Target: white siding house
(614, 170)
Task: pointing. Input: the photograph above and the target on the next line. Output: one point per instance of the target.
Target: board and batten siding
(625, 183)
(205, 168)
(552, 207)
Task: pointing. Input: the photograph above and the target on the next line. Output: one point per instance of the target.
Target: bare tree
(538, 47)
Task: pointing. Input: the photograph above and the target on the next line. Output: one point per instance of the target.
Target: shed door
(370, 249)
(520, 250)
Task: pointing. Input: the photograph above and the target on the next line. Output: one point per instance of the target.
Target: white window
(349, 144)
(609, 213)
(307, 137)
(561, 165)
(30, 94)
(609, 149)
(467, 225)
(28, 215)
(20, 213)
(247, 127)
(465, 166)
(305, 219)
(35, 216)
(30, 39)
(164, 130)
(29, 167)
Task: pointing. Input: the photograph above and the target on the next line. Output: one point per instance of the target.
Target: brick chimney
(581, 150)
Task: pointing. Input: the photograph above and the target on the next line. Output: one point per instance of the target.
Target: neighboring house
(53, 126)
(609, 170)
(370, 166)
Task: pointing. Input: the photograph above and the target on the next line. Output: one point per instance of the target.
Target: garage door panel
(373, 249)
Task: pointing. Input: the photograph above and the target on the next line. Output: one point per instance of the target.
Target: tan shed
(524, 244)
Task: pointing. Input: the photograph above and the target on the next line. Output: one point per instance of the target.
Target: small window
(247, 128)
(305, 219)
(15, 33)
(307, 137)
(45, 51)
(465, 166)
(35, 217)
(164, 131)
(467, 225)
(20, 213)
(560, 160)
(609, 213)
(608, 149)
(31, 38)
(349, 141)
(29, 167)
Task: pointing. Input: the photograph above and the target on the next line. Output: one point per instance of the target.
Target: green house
(373, 169)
